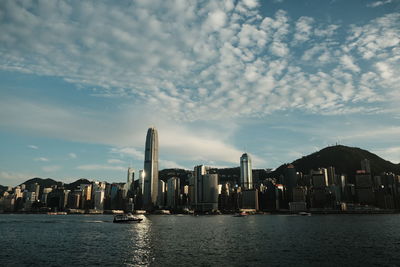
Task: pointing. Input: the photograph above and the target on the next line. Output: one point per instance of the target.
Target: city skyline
(81, 83)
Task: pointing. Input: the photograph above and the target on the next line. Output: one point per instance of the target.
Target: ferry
(126, 218)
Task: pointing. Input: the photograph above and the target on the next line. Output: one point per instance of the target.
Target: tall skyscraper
(205, 189)
(246, 176)
(129, 181)
(151, 169)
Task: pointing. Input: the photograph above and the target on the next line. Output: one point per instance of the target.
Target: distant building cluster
(210, 190)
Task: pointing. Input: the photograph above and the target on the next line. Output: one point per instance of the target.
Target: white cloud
(99, 167)
(379, 3)
(8, 178)
(129, 151)
(115, 161)
(42, 159)
(390, 153)
(348, 63)
(52, 168)
(303, 29)
(215, 48)
(72, 155)
(166, 164)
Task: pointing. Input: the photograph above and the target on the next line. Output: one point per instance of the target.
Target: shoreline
(320, 212)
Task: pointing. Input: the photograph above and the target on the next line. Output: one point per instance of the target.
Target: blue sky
(81, 81)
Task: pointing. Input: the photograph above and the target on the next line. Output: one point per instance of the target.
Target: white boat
(303, 213)
(126, 218)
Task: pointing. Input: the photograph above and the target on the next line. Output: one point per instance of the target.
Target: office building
(173, 192)
(246, 176)
(151, 169)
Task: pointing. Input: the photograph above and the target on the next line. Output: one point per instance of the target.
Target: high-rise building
(198, 173)
(290, 181)
(366, 166)
(99, 199)
(173, 192)
(205, 189)
(209, 198)
(161, 193)
(151, 169)
(129, 182)
(130, 178)
(246, 177)
(141, 181)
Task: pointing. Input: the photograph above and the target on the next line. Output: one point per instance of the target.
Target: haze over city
(81, 82)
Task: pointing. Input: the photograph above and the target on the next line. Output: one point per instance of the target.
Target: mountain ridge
(345, 159)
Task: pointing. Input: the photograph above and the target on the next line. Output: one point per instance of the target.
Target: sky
(82, 81)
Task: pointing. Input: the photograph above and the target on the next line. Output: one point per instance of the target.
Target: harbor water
(184, 240)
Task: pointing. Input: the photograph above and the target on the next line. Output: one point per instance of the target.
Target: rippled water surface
(173, 240)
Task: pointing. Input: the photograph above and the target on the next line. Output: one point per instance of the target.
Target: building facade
(246, 176)
(151, 169)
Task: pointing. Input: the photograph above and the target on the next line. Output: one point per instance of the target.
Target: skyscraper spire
(151, 169)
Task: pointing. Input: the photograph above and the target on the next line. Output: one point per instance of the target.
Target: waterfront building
(74, 200)
(246, 176)
(250, 199)
(18, 193)
(299, 194)
(204, 189)
(319, 178)
(331, 175)
(162, 192)
(45, 193)
(197, 179)
(141, 181)
(35, 187)
(129, 180)
(173, 192)
(364, 188)
(290, 181)
(209, 197)
(151, 169)
(366, 166)
(99, 199)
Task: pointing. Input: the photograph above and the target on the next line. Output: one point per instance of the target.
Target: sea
(208, 240)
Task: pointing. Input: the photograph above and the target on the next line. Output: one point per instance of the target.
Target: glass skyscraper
(151, 169)
(246, 176)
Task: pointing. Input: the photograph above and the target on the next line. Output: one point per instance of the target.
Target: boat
(242, 214)
(126, 218)
(303, 213)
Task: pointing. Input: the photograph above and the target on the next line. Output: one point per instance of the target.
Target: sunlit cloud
(52, 168)
(93, 167)
(41, 159)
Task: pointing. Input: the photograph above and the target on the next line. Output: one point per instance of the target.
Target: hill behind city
(346, 160)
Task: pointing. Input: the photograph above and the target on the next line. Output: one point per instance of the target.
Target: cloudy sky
(81, 81)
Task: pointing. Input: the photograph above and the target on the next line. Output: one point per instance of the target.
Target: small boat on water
(126, 218)
(242, 214)
(303, 213)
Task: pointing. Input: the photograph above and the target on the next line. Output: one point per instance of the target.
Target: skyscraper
(246, 176)
(129, 181)
(151, 169)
